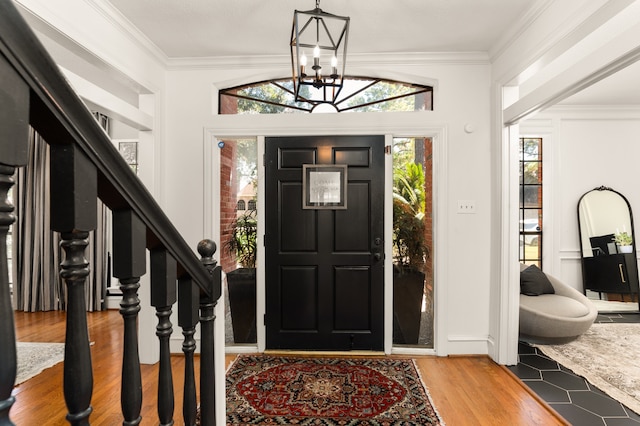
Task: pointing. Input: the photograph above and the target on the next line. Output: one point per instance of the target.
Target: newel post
(207, 248)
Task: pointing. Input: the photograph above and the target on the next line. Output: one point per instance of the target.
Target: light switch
(466, 207)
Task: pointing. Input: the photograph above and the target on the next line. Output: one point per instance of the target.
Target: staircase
(85, 167)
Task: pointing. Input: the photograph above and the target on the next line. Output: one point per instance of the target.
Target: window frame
(310, 105)
(528, 236)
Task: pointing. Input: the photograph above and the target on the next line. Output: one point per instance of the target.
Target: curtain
(37, 284)
(97, 253)
(37, 253)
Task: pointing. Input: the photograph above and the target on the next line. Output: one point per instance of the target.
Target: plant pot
(241, 285)
(625, 249)
(408, 290)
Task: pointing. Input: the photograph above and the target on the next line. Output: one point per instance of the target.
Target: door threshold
(321, 353)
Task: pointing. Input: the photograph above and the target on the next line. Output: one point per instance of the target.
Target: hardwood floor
(465, 390)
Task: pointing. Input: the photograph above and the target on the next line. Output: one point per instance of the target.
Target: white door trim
(414, 124)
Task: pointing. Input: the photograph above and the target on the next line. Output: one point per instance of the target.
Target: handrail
(61, 115)
(85, 166)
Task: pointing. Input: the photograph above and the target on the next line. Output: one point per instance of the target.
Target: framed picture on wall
(324, 186)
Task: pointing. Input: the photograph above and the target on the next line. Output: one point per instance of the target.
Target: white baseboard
(113, 302)
(468, 345)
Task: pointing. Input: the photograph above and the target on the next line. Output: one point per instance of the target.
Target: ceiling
(210, 28)
(228, 28)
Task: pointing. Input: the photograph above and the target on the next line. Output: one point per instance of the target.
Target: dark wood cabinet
(614, 273)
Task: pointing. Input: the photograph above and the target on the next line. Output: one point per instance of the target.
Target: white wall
(593, 147)
(462, 97)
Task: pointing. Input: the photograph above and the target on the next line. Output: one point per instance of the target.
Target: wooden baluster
(78, 373)
(73, 214)
(163, 296)
(8, 360)
(129, 264)
(207, 248)
(14, 137)
(188, 302)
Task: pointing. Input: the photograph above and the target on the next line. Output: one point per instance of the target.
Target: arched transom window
(359, 94)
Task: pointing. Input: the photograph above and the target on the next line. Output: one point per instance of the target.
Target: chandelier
(318, 54)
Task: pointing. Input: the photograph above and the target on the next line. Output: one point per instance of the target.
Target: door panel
(351, 285)
(353, 230)
(297, 228)
(324, 271)
(299, 295)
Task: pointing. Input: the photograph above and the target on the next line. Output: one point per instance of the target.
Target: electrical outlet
(466, 207)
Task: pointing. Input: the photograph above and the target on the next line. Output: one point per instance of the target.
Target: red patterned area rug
(276, 390)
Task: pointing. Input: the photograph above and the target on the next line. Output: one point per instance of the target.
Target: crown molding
(518, 28)
(592, 112)
(355, 59)
(119, 21)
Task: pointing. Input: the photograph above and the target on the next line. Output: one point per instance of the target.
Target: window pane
(532, 171)
(532, 196)
(532, 219)
(531, 149)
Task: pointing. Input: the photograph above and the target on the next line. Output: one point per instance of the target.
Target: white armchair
(555, 318)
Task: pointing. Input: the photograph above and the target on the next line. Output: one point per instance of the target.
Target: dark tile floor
(574, 398)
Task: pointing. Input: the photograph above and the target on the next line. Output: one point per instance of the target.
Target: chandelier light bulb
(334, 67)
(316, 60)
(303, 65)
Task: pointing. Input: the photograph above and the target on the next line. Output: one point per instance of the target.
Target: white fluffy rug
(33, 358)
(608, 356)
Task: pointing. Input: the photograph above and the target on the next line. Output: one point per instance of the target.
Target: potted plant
(624, 240)
(409, 253)
(241, 282)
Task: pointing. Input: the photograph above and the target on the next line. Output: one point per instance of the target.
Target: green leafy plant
(623, 238)
(409, 243)
(242, 242)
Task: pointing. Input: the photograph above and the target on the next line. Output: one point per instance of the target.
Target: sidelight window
(530, 168)
(238, 236)
(413, 283)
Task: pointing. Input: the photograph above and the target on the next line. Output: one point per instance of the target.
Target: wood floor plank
(465, 390)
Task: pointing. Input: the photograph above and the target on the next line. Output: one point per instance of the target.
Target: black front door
(324, 267)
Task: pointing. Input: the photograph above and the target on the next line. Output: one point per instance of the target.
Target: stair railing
(86, 166)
